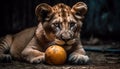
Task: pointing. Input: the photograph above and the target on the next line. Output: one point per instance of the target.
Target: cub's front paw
(39, 59)
(76, 58)
(5, 58)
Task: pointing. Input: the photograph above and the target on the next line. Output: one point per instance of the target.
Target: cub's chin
(67, 45)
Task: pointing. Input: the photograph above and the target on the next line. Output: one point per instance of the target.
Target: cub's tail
(5, 43)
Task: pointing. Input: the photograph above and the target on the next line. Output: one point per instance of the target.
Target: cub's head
(61, 23)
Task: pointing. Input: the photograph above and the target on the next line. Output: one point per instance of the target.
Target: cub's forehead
(61, 7)
(62, 13)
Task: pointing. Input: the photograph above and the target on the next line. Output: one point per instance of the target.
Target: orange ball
(55, 55)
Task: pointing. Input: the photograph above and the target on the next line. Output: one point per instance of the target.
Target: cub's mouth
(61, 42)
(67, 45)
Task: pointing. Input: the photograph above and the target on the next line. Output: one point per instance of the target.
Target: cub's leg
(78, 56)
(32, 53)
(5, 48)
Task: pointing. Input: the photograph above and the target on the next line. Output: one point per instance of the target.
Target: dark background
(102, 19)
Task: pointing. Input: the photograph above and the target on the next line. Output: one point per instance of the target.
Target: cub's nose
(66, 36)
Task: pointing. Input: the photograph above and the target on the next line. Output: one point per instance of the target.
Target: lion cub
(58, 25)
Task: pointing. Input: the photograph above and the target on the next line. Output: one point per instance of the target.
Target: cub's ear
(43, 11)
(79, 9)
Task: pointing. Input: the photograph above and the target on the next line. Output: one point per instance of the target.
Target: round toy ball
(55, 55)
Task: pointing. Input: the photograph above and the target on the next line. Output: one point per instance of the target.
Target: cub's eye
(72, 24)
(57, 25)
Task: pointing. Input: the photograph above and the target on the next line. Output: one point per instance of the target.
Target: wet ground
(101, 59)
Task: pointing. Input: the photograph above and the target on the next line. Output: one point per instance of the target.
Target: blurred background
(102, 19)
